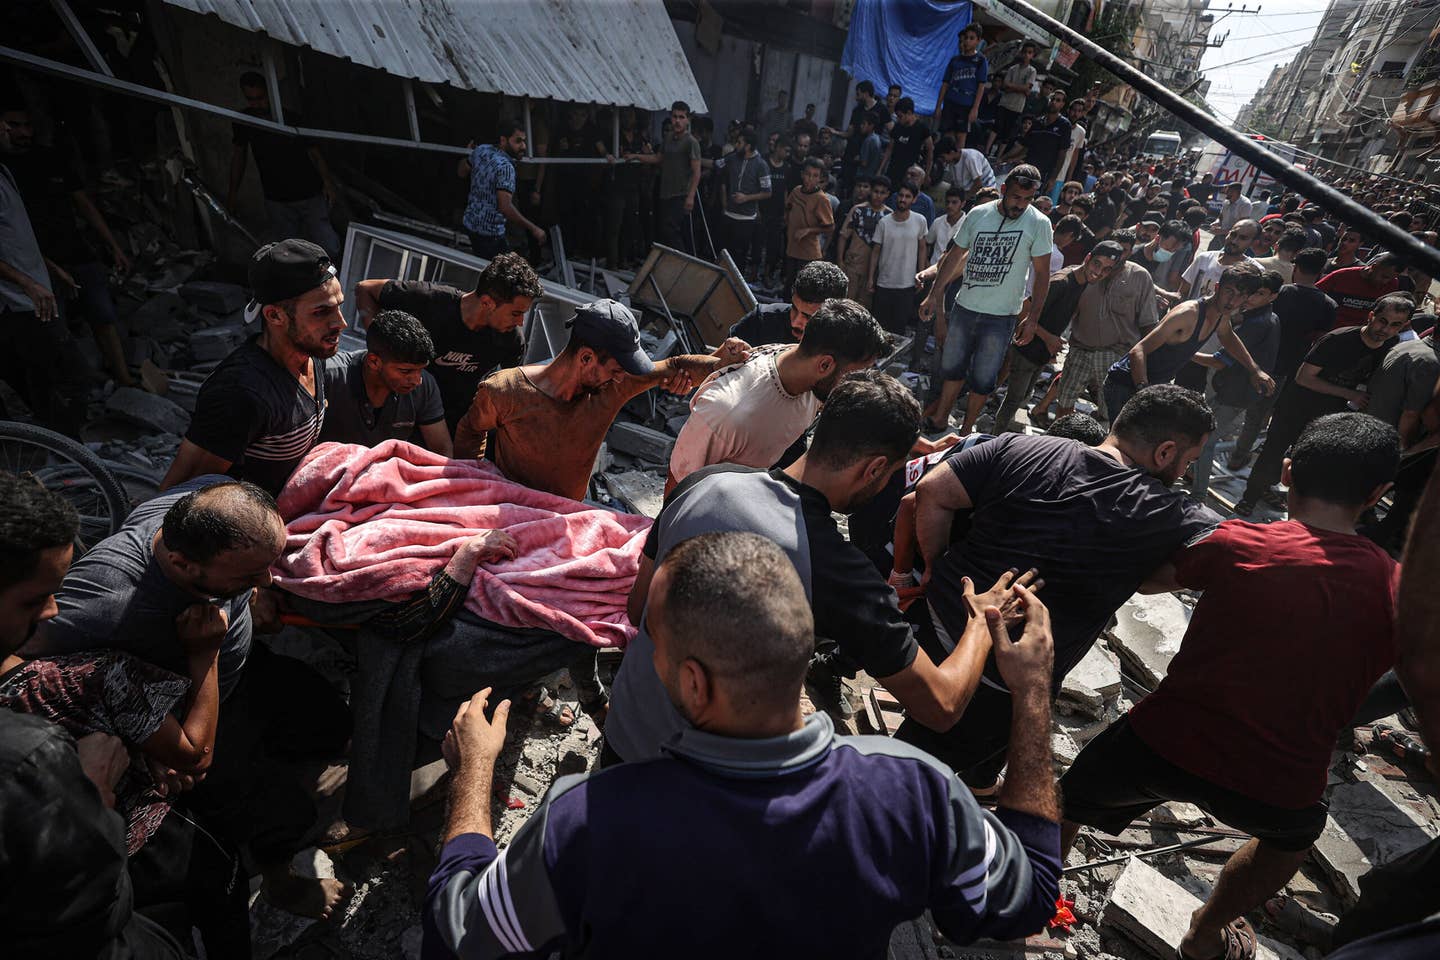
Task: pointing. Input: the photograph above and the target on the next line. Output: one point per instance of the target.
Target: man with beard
(549, 419)
(200, 551)
(1095, 522)
(491, 208)
(60, 831)
(817, 281)
(750, 413)
(1203, 274)
(384, 391)
(262, 408)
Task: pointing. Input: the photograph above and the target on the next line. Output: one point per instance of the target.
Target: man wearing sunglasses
(998, 244)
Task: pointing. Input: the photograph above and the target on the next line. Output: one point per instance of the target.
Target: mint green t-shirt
(1001, 251)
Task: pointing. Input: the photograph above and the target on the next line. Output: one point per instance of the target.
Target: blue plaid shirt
(490, 170)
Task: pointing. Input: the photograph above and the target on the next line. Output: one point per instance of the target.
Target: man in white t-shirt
(945, 227)
(750, 413)
(1203, 274)
(899, 254)
(965, 168)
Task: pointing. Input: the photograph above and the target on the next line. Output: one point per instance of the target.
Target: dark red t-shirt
(1295, 626)
(1354, 294)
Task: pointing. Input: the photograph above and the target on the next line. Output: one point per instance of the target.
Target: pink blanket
(377, 523)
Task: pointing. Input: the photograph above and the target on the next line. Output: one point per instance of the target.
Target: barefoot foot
(318, 897)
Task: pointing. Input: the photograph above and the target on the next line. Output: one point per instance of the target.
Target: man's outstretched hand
(472, 738)
(1003, 596)
(1026, 665)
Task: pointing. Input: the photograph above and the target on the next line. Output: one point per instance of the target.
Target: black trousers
(676, 228)
(39, 361)
(739, 238)
(1285, 427)
(280, 712)
(187, 876)
(487, 247)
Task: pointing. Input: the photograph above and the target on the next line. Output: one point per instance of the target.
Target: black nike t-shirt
(463, 357)
(252, 412)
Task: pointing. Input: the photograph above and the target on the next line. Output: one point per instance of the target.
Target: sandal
(549, 709)
(1240, 942)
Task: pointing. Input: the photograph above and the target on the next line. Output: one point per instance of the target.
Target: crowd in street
(149, 737)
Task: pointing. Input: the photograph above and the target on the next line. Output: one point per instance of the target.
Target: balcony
(1416, 103)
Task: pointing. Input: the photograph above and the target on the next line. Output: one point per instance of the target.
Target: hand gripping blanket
(377, 523)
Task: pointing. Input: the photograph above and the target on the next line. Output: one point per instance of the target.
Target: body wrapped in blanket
(370, 528)
(376, 523)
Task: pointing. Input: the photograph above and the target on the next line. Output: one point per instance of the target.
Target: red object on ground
(377, 523)
(1064, 917)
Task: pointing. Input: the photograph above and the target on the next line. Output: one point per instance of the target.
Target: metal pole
(614, 132)
(1326, 196)
(1142, 854)
(408, 86)
(272, 81)
(82, 39)
(529, 137)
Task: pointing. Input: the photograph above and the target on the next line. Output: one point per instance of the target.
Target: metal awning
(613, 52)
(998, 11)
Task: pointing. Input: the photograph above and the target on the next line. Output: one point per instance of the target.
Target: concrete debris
(215, 343)
(604, 460)
(1075, 697)
(147, 410)
(676, 424)
(1368, 826)
(1155, 912)
(162, 317)
(1064, 748)
(641, 441)
(1148, 633)
(154, 379)
(214, 296)
(1099, 670)
(642, 491)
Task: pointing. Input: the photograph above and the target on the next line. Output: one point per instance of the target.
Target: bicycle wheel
(69, 469)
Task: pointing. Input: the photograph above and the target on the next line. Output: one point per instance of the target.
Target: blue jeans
(975, 347)
(1117, 389)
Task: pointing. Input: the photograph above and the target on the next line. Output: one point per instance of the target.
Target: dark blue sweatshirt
(803, 845)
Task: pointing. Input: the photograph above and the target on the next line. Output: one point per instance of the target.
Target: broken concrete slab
(639, 490)
(147, 410)
(1154, 911)
(1063, 748)
(1074, 697)
(1368, 826)
(214, 296)
(162, 317)
(1147, 634)
(215, 343)
(677, 423)
(1099, 670)
(641, 441)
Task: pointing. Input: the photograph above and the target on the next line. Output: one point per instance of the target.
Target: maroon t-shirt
(1354, 294)
(1295, 626)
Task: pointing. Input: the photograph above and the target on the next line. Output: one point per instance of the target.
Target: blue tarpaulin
(906, 42)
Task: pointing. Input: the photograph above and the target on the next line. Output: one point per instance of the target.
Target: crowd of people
(149, 737)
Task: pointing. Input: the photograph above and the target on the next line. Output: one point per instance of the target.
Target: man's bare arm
(1163, 332)
(436, 437)
(938, 495)
(192, 461)
(470, 431)
(367, 301)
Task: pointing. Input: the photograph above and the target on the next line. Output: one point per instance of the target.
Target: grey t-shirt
(852, 604)
(744, 174)
(17, 240)
(351, 419)
(115, 597)
(1405, 380)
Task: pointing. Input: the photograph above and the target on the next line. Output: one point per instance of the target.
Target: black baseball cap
(287, 268)
(609, 325)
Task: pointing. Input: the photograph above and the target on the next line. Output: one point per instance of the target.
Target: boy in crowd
(966, 76)
(899, 253)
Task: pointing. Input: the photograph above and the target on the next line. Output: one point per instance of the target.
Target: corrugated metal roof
(616, 52)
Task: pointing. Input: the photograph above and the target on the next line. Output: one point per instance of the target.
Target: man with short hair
(679, 163)
(550, 418)
(999, 243)
(944, 228)
(965, 169)
(1203, 274)
(1049, 139)
(1332, 376)
(1095, 523)
(202, 549)
(785, 322)
(1075, 112)
(474, 332)
(1295, 622)
(296, 182)
(805, 804)
(1235, 208)
(745, 183)
(772, 209)
(1346, 253)
(69, 892)
(1356, 290)
(866, 104)
(1290, 243)
(963, 88)
(1404, 386)
(1037, 344)
(1015, 85)
(1229, 390)
(490, 206)
(897, 254)
(749, 414)
(864, 434)
(1157, 255)
(911, 142)
(260, 411)
(1163, 351)
(384, 391)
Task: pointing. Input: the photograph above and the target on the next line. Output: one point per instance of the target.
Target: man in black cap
(262, 408)
(549, 418)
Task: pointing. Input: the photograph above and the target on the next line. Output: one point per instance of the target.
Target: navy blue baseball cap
(609, 325)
